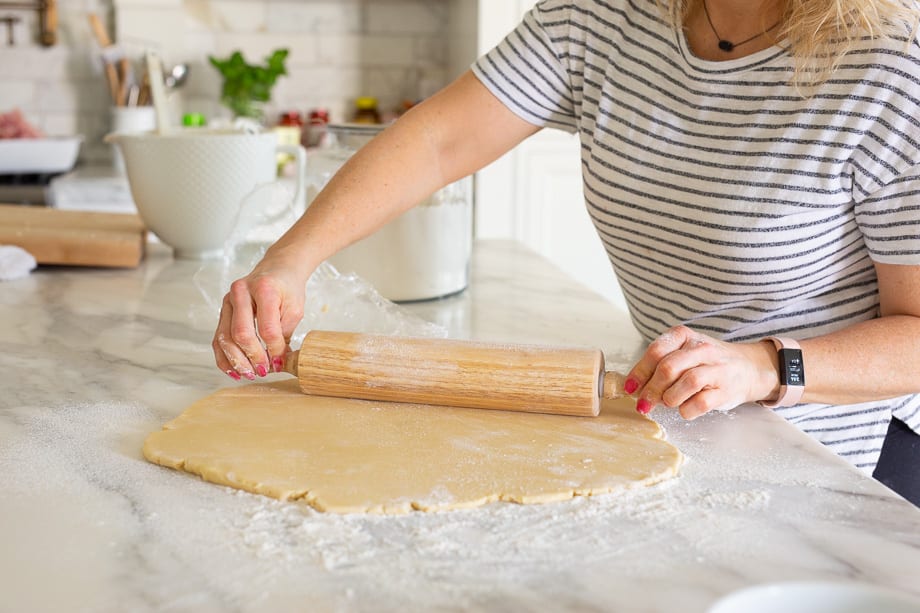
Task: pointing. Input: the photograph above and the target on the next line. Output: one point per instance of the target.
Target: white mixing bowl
(189, 184)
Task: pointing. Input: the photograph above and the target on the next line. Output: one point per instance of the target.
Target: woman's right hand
(257, 319)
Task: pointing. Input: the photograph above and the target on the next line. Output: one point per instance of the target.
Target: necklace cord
(728, 46)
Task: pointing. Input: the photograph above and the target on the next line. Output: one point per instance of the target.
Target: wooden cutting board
(74, 238)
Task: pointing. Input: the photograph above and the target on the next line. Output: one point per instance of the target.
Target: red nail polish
(278, 364)
(260, 368)
(644, 406)
(250, 375)
(233, 375)
(631, 386)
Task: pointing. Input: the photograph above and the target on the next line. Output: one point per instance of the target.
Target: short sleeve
(527, 72)
(889, 219)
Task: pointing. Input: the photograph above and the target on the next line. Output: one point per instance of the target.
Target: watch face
(791, 367)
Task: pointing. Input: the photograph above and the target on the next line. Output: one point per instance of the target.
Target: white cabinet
(534, 193)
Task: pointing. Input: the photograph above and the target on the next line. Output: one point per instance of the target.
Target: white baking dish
(49, 155)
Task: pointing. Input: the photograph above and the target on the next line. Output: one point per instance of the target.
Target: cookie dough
(352, 456)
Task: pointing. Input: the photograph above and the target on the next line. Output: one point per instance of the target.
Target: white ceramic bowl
(189, 184)
(816, 597)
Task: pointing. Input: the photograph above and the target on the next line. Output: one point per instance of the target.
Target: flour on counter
(173, 524)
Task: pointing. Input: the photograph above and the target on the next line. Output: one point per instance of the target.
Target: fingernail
(260, 368)
(278, 364)
(233, 375)
(250, 375)
(631, 386)
(644, 406)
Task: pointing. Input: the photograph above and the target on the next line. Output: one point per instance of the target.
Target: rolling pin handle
(612, 385)
(291, 361)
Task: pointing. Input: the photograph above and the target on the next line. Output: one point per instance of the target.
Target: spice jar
(366, 110)
(316, 130)
(290, 118)
(290, 132)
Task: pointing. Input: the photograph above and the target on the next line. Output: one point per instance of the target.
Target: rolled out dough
(352, 456)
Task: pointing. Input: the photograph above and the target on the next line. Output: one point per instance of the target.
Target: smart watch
(791, 373)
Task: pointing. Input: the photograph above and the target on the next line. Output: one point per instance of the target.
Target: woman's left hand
(695, 373)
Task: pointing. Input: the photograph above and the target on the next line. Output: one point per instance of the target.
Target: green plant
(247, 86)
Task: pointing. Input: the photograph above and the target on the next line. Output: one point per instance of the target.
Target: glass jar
(421, 255)
(291, 118)
(290, 132)
(366, 110)
(315, 130)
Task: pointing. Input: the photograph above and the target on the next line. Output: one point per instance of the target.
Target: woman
(752, 169)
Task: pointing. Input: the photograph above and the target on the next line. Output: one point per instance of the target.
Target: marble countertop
(94, 360)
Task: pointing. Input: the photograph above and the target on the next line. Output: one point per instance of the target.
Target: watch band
(791, 373)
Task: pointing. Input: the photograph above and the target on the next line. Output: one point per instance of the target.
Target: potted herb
(247, 86)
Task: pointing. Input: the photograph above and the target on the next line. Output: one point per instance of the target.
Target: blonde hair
(819, 33)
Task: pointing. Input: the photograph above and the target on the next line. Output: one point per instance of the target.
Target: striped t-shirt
(726, 200)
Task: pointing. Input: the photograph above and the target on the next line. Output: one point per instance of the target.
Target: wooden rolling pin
(453, 373)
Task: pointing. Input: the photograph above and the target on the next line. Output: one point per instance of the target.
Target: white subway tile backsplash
(255, 47)
(406, 17)
(235, 16)
(431, 50)
(51, 63)
(339, 49)
(162, 30)
(329, 17)
(130, 4)
(365, 50)
(199, 45)
(387, 51)
(17, 93)
(61, 123)
(321, 82)
(59, 96)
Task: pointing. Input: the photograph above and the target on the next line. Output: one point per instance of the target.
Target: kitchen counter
(94, 360)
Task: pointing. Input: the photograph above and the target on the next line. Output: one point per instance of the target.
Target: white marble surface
(93, 360)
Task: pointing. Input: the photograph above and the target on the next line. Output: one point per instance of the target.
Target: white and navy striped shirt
(726, 200)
